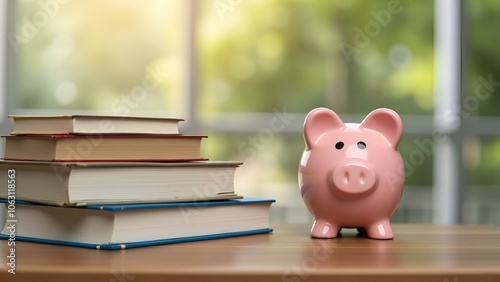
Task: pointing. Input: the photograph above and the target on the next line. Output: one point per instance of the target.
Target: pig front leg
(380, 230)
(324, 229)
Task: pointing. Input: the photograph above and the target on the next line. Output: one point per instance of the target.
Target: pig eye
(339, 145)
(361, 145)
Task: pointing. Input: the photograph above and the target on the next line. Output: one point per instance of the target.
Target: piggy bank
(351, 175)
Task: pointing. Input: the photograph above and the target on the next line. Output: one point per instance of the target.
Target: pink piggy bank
(351, 175)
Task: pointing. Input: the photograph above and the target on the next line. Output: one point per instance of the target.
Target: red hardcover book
(104, 147)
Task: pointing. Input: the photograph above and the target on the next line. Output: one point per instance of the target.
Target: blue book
(114, 227)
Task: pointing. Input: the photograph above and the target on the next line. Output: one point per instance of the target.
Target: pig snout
(353, 179)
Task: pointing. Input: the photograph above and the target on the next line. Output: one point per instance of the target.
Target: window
(247, 72)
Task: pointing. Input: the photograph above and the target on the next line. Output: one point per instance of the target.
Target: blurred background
(247, 72)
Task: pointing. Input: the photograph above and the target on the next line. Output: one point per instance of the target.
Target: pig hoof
(380, 230)
(323, 229)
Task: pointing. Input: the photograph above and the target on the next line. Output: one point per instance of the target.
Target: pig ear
(319, 121)
(387, 122)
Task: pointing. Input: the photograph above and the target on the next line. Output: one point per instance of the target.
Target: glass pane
(482, 58)
(351, 56)
(268, 158)
(482, 193)
(418, 154)
(118, 57)
(270, 164)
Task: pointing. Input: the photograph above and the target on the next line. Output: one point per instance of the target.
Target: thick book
(114, 227)
(88, 183)
(100, 147)
(93, 124)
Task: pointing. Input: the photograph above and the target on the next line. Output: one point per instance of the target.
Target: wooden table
(418, 253)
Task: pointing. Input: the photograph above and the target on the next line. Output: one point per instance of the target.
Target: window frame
(5, 55)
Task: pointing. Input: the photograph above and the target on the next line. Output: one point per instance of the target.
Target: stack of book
(110, 182)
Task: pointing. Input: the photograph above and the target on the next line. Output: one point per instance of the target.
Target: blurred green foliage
(352, 56)
(93, 55)
(483, 56)
(256, 56)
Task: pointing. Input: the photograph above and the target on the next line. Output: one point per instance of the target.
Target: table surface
(454, 253)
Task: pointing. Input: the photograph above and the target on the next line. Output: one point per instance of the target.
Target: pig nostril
(346, 177)
(361, 145)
